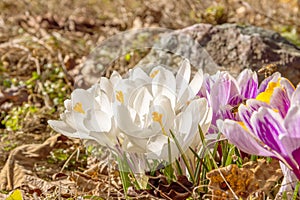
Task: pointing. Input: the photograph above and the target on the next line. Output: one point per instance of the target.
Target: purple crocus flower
(269, 130)
(224, 92)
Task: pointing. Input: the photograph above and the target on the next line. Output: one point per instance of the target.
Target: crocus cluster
(269, 124)
(137, 114)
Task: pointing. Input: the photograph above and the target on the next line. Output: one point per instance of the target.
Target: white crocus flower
(89, 113)
(139, 112)
(185, 130)
(148, 107)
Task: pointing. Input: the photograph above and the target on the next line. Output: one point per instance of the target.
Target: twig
(233, 193)
(67, 76)
(68, 160)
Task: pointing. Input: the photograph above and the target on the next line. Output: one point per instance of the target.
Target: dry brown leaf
(180, 189)
(252, 177)
(21, 162)
(99, 180)
(64, 187)
(231, 182)
(83, 181)
(266, 173)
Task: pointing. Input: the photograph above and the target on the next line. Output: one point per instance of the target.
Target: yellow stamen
(78, 108)
(120, 96)
(154, 73)
(267, 94)
(157, 117)
(242, 125)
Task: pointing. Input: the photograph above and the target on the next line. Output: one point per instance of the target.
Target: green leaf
(169, 171)
(7, 83)
(179, 170)
(198, 167)
(295, 195)
(35, 76)
(124, 173)
(284, 195)
(253, 157)
(185, 159)
(209, 160)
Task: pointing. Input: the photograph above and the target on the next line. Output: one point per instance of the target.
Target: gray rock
(232, 47)
(223, 47)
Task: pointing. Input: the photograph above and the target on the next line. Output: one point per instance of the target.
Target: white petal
(193, 109)
(128, 89)
(184, 124)
(98, 121)
(159, 89)
(84, 97)
(115, 78)
(183, 76)
(206, 115)
(68, 104)
(184, 98)
(104, 104)
(164, 83)
(103, 138)
(78, 120)
(157, 148)
(138, 73)
(124, 119)
(162, 105)
(126, 124)
(136, 145)
(66, 130)
(196, 82)
(106, 87)
(103, 120)
(141, 101)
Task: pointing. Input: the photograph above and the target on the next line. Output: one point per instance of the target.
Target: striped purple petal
(245, 116)
(280, 101)
(236, 100)
(254, 104)
(223, 90)
(238, 136)
(291, 140)
(288, 86)
(248, 83)
(268, 125)
(227, 113)
(295, 99)
(246, 111)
